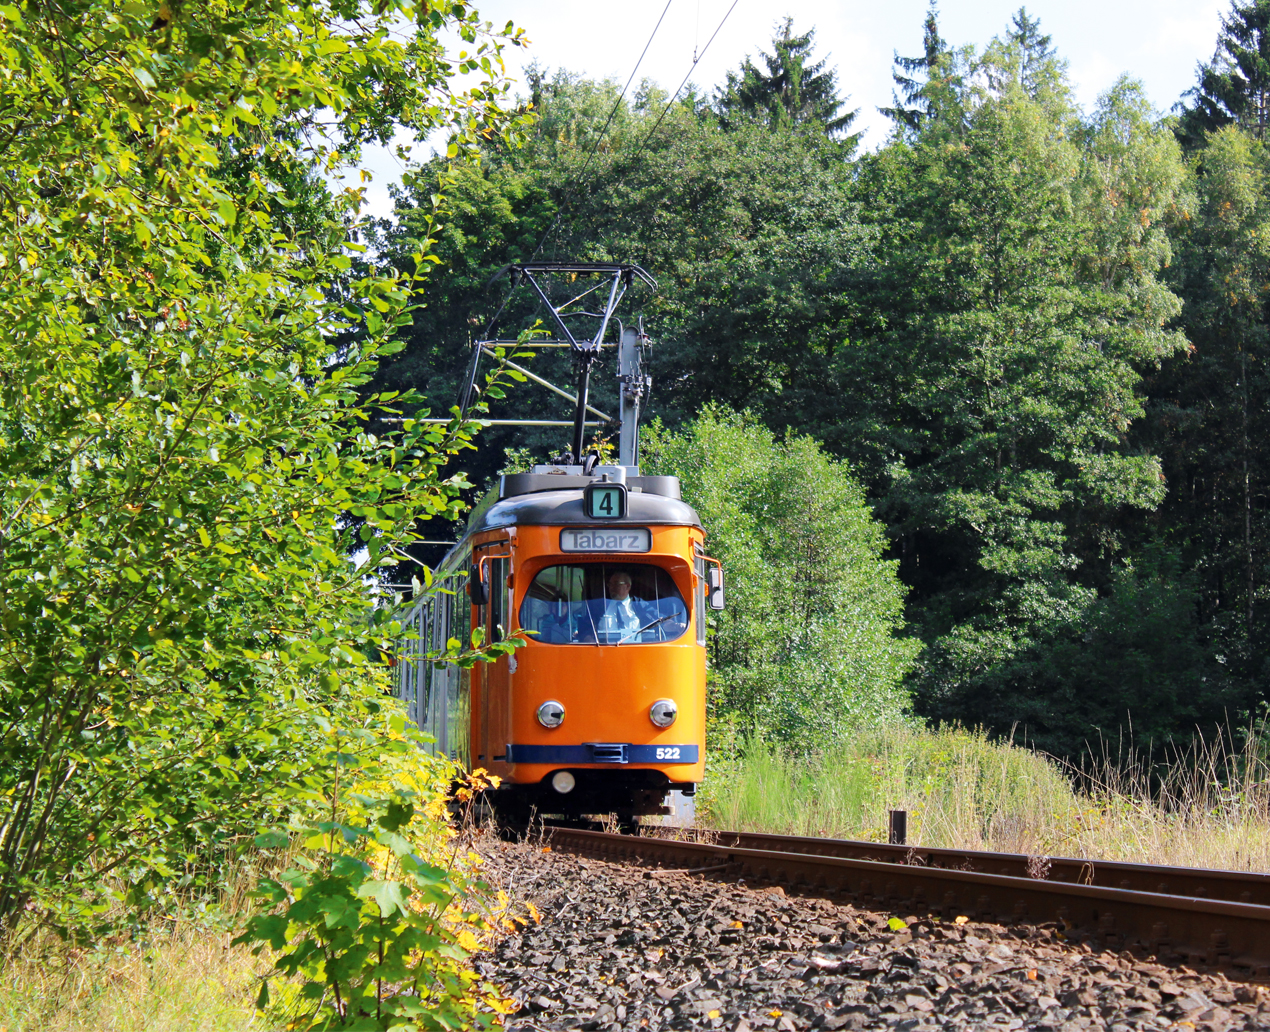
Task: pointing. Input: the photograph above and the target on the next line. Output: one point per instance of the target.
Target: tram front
(603, 711)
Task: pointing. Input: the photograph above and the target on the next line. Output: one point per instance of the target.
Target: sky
(1157, 41)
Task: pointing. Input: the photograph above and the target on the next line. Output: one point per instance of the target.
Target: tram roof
(545, 499)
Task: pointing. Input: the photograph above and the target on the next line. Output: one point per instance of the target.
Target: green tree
(1135, 668)
(1015, 305)
(1036, 56)
(1234, 88)
(1025, 59)
(794, 90)
(809, 647)
(749, 231)
(923, 82)
(186, 468)
(1209, 413)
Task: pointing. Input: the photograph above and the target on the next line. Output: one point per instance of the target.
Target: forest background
(1034, 336)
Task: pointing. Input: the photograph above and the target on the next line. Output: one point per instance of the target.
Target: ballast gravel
(619, 947)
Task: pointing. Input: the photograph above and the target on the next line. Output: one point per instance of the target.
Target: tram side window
(603, 603)
(423, 698)
(458, 710)
(498, 599)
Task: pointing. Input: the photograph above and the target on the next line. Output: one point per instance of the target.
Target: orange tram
(603, 711)
(604, 573)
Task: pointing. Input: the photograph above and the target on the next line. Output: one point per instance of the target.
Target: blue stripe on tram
(602, 752)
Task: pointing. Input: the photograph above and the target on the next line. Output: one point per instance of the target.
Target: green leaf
(339, 911)
(274, 838)
(397, 815)
(390, 896)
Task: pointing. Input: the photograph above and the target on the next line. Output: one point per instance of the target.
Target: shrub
(809, 646)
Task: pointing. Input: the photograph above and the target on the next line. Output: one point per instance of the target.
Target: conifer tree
(1035, 53)
(794, 90)
(1235, 86)
(917, 78)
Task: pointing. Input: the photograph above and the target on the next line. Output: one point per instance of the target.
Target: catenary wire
(696, 58)
(609, 121)
(466, 395)
(594, 146)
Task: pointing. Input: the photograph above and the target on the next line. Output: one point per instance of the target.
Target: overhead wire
(691, 68)
(696, 58)
(574, 181)
(595, 145)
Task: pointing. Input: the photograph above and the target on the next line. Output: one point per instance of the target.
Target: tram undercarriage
(632, 793)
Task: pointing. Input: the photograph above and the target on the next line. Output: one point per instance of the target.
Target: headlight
(551, 714)
(663, 713)
(562, 781)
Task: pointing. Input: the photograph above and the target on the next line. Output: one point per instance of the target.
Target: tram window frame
(459, 701)
(578, 619)
(700, 595)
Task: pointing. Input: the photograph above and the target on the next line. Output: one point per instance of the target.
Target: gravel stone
(620, 948)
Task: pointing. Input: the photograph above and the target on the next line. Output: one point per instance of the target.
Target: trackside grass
(962, 790)
(183, 978)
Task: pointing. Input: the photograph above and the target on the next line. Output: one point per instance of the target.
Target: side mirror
(714, 588)
(476, 587)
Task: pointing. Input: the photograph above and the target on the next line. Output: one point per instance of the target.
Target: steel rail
(1217, 934)
(1201, 883)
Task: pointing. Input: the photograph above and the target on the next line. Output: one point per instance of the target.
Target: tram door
(494, 699)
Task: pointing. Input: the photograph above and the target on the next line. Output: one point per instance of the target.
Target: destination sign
(606, 539)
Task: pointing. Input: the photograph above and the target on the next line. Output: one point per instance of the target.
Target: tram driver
(621, 615)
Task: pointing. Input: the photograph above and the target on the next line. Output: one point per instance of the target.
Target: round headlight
(562, 781)
(663, 713)
(551, 714)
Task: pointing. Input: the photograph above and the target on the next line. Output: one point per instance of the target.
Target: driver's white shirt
(620, 616)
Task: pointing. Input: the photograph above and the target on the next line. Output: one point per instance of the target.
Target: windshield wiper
(647, 627)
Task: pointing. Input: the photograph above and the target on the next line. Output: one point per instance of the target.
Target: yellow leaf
(713, 1014)
(1032, 974)
(533, 912)
(773, 1014)
(960, 920)
(896, 924)
(737, 924)
(546, 849)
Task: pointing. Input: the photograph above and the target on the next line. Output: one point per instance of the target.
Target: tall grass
(184, 978)
(963, 790)
(173, 974)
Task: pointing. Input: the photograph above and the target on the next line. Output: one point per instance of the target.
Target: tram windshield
(603, 604)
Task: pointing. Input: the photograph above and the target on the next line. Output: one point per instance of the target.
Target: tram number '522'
(669, 752)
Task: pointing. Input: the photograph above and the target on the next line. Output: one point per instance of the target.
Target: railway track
(1208, 920)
